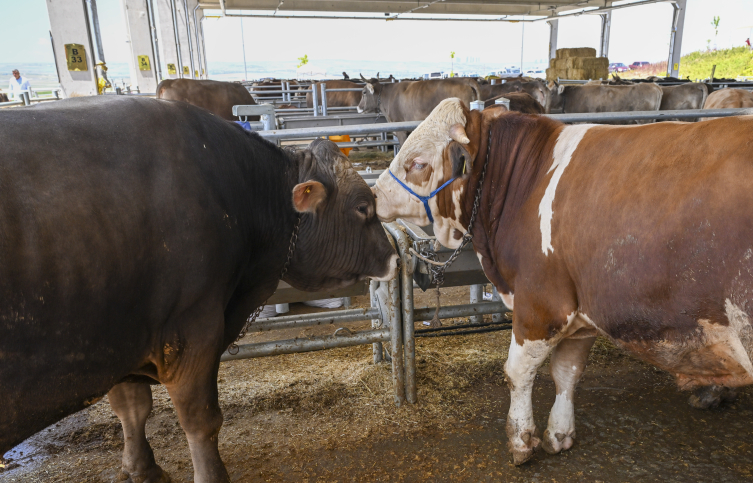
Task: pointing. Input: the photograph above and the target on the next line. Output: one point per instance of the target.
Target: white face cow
(420, 166)
(433, 163)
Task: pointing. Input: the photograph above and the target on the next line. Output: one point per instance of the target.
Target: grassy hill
(730, 63)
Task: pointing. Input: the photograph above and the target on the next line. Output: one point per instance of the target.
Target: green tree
(303, 61)
(452, 68)
(715, 24)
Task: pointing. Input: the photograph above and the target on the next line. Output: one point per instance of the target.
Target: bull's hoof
(524, 448)
(712, 396)
(553, 444)
(154, 475)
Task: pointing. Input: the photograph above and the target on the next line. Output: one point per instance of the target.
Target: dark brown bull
(214, 96)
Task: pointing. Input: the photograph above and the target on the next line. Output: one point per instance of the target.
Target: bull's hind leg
(132, 403)
(567, 364)
(523, 361)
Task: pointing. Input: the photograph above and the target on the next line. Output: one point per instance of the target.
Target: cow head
(556, 100)
(370, 95)
(341, 240)
(444, 146)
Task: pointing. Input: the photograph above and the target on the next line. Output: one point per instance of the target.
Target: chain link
(438, 270)
(233, 348)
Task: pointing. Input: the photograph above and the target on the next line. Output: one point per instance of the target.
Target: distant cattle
(519, 102)
(653, 251)
(214, 96)
(728, 99)
(597, 98)
(4, 97)
(536, 88)
(686, 96)
(411, 100)
(336, 99)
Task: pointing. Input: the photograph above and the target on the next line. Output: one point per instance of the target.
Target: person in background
(747, 42)
(17, 84)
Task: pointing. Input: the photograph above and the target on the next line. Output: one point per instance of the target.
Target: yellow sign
(75, 55)
(196, 72)
(144, 62)
(171, 69)
(186, 71)
(677, 66)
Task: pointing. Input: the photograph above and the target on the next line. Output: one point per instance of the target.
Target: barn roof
(422, 8)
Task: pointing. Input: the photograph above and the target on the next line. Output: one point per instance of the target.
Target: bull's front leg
(523, 360)
(567, 364)
(132, 403)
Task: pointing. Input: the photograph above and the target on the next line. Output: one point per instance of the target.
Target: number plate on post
(75, 56)
(186, 71)
(144, 62)
(171, 69)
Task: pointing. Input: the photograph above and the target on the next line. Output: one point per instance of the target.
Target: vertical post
(155, 40)
(166, 34)
(177, 39)
(188, 36)
(324, 98)
(139, 38)
(477, 296)
(522, 44)
(204, 48)
(315, 98)
(477, 291)
(553, 30)
(69, 32)
(496, 298)
(606, 27)
(675, 38)
(284, 86)
(376, 347)
(243, 44)
(25, 97)
(199, 46)
(396, 339)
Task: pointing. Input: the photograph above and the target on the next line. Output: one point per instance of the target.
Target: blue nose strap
(424, 199)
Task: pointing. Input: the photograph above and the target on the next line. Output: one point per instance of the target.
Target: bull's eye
(363, 209)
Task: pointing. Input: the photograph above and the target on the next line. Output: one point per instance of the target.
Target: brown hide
(686, 96)
(214, 96)
(336, 99)
(519, 102)
(728, 99)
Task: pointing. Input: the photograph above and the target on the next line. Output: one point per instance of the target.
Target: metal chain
(233, 348)
(430, 256)
(439, 269)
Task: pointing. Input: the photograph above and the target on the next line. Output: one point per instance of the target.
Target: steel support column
(139, 37)
(675, 38)
(167, 40)
(69, 27)
(606, 26)
(553, 29)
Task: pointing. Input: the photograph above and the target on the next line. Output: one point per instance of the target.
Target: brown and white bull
(654, 252)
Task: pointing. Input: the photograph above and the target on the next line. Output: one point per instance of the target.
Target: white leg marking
(567, 142)
(522, 363)
(567, 364)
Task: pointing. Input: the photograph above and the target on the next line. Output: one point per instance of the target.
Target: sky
(638, 34)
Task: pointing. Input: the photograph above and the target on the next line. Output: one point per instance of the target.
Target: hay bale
(587, 62)
(560, 64)
(576, 52)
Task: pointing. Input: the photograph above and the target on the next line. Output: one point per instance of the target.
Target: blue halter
(424, 199)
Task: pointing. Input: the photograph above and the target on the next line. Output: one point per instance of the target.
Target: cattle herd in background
(414, 99)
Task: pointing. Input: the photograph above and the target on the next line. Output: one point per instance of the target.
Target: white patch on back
(567, 142)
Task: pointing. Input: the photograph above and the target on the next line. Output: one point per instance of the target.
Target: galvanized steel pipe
(290, 346)
(308, 320)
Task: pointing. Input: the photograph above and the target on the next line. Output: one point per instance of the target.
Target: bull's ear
(370, 88)
(308, 196)
(461, 160)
